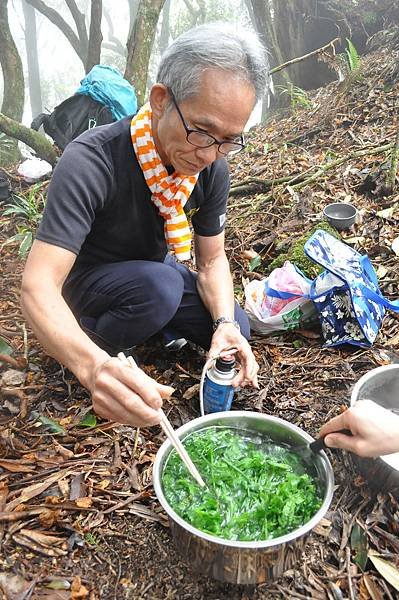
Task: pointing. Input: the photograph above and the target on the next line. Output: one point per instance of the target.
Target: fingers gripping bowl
(381, 385)
(246, 561)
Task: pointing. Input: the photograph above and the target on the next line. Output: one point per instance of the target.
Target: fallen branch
(253, 185)
(38, 142)
(257, 184)
(305, 56)
(336, 163)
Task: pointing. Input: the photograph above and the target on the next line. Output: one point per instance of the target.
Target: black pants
(123, 304)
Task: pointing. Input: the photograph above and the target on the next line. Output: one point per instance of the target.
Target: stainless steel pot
(382, 386)
(234, 561)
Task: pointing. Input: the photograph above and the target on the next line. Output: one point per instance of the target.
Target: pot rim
(388, 459)
(289, 537)
(332, 205)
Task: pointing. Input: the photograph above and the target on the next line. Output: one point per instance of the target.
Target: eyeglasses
(201, 139)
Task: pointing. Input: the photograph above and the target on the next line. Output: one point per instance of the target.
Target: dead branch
(257, 184)
(330, 45)
(395, 156)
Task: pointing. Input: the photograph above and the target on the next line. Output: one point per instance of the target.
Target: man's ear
(159, 99)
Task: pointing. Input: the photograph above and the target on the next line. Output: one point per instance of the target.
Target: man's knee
(162, 289)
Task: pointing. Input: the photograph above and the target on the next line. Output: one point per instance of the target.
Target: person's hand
(375, 430)
(227, 336)
(127, 395)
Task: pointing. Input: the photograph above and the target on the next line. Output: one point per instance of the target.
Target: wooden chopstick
(170, 432)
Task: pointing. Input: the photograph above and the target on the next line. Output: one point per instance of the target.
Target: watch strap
(221, 320)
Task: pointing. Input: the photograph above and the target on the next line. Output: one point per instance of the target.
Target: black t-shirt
(99, 205)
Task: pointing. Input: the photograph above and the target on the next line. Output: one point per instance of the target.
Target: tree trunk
(35, 92)
(95, 35)
(260, 12)
(139, 45)
(133, 10)
(165, 28)
(302, 26)
(43, 148)
(13, 77)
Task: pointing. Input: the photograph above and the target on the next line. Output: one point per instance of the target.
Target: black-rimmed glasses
(202, 139)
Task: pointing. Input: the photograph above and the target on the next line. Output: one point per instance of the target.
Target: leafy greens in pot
(254, 492)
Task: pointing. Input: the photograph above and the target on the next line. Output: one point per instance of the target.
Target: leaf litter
(78, 515)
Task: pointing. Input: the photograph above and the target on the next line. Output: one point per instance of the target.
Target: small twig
(18, 515)
(68, 385)
(122, 504)
(136, 441)
(9, 360)
(25, 337)
(348, 569)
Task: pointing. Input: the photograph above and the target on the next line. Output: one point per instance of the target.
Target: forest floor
(78, 514)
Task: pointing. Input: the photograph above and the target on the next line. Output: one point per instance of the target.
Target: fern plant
(27, 211)
(352, 56)
(297, 96)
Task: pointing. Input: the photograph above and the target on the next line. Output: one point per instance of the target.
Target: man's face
(221, 108)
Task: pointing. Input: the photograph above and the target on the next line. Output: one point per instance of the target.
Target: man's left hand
(228, 336)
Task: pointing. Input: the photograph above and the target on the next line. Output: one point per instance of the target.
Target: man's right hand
(126, 394)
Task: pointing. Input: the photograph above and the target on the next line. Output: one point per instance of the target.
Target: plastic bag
(280, 302)
(288, 280)
(33, 169)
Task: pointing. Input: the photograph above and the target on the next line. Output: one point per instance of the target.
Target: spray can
(218, 392)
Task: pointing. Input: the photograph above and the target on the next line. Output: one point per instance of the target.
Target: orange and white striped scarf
(169, 193)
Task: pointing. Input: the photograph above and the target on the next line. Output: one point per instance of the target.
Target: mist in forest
(60, 68)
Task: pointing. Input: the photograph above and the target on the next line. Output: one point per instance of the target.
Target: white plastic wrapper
(34, 169)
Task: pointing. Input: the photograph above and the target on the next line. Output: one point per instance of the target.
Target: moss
(296, 254)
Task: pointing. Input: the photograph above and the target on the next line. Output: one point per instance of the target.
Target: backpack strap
(38, 121)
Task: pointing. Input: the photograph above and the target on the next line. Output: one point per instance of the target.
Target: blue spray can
(218, 392)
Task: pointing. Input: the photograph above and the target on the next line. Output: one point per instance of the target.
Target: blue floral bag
(347, 295)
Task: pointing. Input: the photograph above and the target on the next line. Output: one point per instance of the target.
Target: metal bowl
(382, 386)
(340, 215)
(243, 562)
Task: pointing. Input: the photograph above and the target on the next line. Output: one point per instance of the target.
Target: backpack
(104, 96)
(72, 117)
(108, 86)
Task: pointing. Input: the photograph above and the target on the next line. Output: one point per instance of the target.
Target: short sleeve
(80, 185)
(214, 186)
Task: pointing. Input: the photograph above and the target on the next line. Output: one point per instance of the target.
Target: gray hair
(213, 46)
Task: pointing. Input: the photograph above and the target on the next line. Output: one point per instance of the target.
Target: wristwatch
(221, 320)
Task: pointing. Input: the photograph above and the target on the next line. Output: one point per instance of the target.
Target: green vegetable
(255, 490)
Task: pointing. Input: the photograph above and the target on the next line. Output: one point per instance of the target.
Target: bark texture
(13, 77)
(38, 142)
(35, 92)
(95, 35)
(139, 45)
(14, 92)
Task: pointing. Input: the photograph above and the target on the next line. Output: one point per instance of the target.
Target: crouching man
(105, 270)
